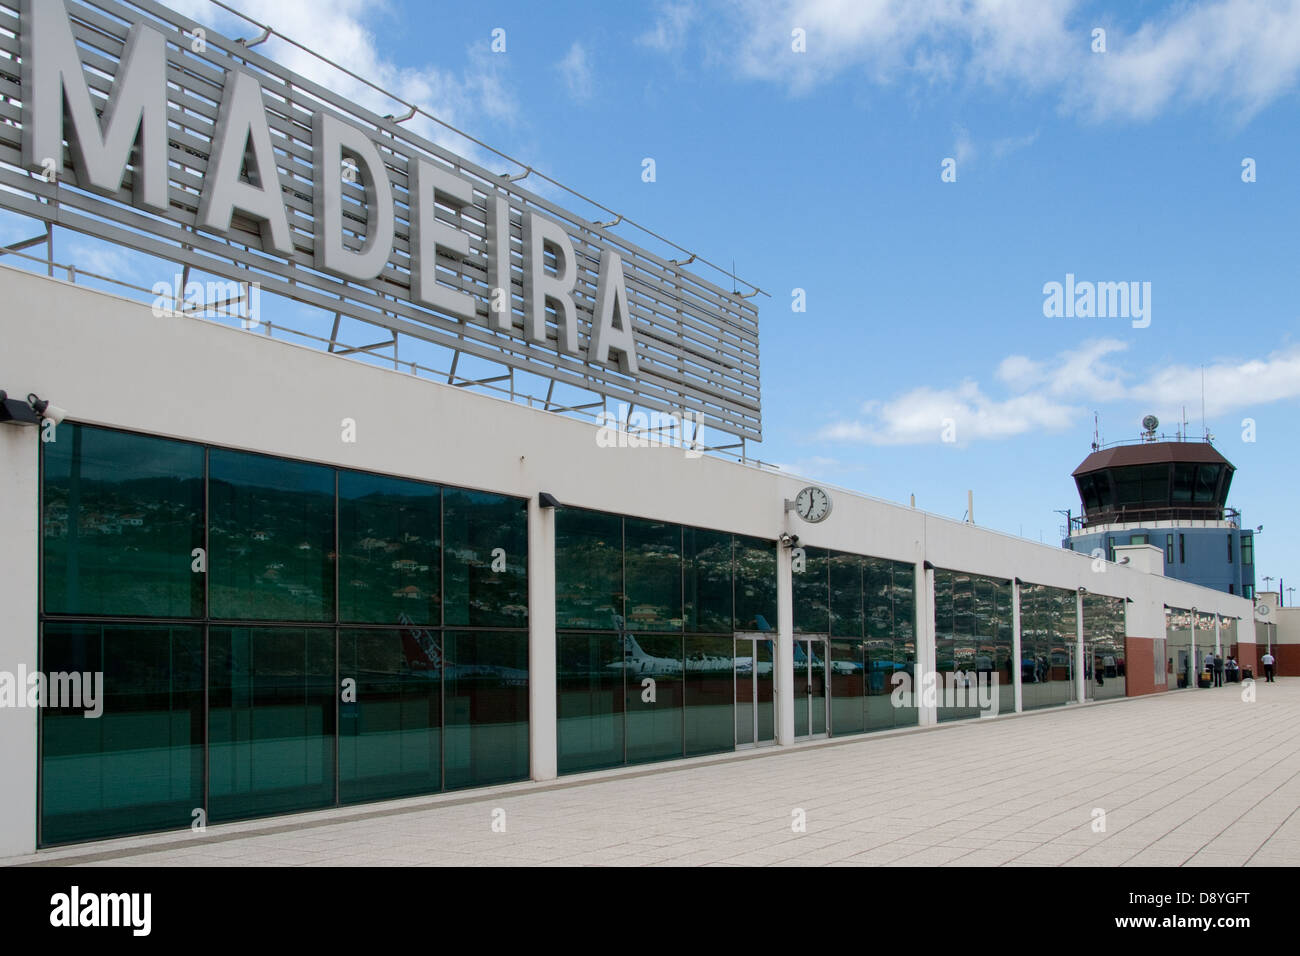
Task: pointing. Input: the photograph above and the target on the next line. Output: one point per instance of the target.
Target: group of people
(1215, 665)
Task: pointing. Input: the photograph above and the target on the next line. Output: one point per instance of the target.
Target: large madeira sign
(113, 122)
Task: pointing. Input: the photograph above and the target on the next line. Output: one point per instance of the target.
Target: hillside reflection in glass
(1048, 636)
(973, 642)
(863, 610)
(1103, 642)
(364, 637)
(646, 613)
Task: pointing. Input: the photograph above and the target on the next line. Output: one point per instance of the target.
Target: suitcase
(1205, 680)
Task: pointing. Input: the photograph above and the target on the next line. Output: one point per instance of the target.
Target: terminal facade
(471, 592)
(247, 574)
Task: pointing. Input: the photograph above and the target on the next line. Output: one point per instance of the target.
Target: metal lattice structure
(696, 343)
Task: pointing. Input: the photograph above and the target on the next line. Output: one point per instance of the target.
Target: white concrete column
(543, 756)
(19, 560)
(1080, 682)
(1196, 658)
(783, 663)
(1016, 655)
(1218, 635)
(927, 712)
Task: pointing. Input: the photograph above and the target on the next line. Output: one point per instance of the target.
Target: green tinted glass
(139, 765)
(485, 682)
(707, 568)
(271, 539)
(590, 701)
(390, 568)
(271, 720)
(122, 515)
(485, 561)
(390, 719)
(653, 553)
(588, 569)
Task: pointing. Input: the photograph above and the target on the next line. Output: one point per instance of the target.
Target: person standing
(1218, 670)
(1267, 661)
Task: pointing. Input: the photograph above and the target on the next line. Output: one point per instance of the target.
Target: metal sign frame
(640, 329)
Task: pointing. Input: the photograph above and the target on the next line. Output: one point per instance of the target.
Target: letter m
(136, 110)
(1112, 300)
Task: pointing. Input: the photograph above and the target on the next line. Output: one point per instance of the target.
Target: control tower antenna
(1205, 429)
(1096, 431)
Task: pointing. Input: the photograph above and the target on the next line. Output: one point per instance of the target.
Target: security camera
(1083, 590)
(789, 541)
(1124, 560)
(47, 410)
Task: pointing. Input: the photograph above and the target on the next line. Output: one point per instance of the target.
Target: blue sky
(820, 170)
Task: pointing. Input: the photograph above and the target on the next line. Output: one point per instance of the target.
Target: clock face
(812, 504)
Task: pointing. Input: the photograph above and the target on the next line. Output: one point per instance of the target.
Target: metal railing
(590, 411)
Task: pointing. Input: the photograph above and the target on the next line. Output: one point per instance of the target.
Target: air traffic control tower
(1170, 494)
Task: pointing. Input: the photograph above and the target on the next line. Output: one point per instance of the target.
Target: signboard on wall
(114, 123)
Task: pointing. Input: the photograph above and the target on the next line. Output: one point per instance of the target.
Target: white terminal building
(341, 546)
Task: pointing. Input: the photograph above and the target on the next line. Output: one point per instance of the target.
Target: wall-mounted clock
(812, 504)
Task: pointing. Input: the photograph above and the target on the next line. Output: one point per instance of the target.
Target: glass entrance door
(810, 683)
(755, 690)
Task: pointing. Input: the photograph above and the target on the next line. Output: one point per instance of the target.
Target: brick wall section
(1139, 667)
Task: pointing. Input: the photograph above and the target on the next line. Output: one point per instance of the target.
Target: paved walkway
(1188, 778)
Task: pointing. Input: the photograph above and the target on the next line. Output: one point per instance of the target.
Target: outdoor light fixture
(14, 411)
(789, 540)
(1083, 590)
(45, 409)
(547, 500)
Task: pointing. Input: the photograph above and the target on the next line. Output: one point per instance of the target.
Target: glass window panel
(1207, 480)
(904, 584)
(809, 598)
(1128, 485)
(1184, 480)
(846, 595)
(486, 708)
(390, 551)
(271, 544)
(588, 569)
(653, 562)
(390, 732)
(755, 584)
(271, 720)
(878, 598)
(485, 559)
(1155, 484)
(121, 515)
(654, 697)
(139, 765)
(590, 703)
(848, 687)
(707, 556)
(709, 706)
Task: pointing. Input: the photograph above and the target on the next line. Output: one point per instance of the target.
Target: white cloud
(1230, 385)
(1241, 54)
(575, 69)
(672, 24)
(345, 31)
(1055, 394)
(924, 415)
